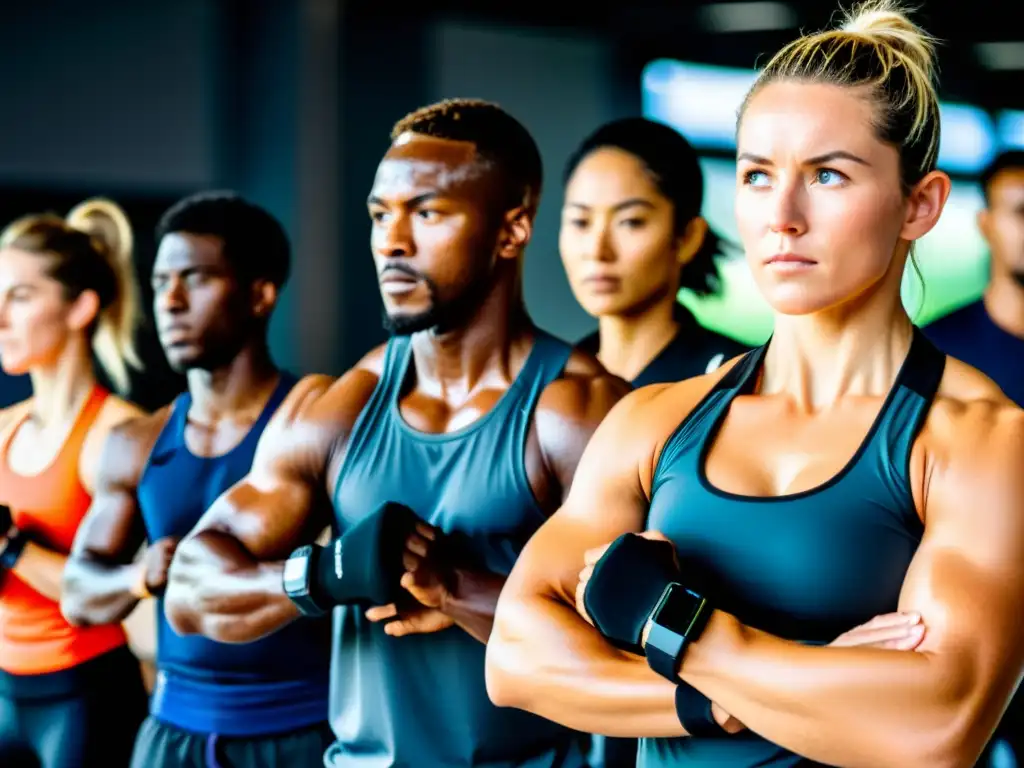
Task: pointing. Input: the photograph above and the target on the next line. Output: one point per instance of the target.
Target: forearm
(545, 659)
(99, 593)
(473, 601)
(839, 706)
(42, 569)
(216, 588)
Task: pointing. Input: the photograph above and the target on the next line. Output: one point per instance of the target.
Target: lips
(790, 258)
(602, 283)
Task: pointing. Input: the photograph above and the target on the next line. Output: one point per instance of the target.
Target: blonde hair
(880, 50)
(91, 250)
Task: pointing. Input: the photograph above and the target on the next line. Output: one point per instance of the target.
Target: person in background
(989, 333)
(69, 696)
(631, 237)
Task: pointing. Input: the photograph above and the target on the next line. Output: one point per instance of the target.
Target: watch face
(295, 569)
(678, 609)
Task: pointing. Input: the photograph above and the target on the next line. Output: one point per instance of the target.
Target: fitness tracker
(678, 618)
(299, 570)
(16, 542)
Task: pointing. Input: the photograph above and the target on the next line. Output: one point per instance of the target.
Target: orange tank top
(35, 638)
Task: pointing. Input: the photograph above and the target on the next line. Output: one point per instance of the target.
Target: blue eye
(828, 177)
(755, 178)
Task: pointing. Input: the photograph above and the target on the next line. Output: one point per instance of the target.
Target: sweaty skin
(428, 213)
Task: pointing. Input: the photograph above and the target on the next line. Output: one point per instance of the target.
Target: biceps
(969, 608)
(112, 529)
(269, 516)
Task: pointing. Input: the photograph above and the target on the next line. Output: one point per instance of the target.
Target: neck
(59, 390)
(243, 384)
(815, 360)
(450, 364)
(1004, 302)
(630, 342)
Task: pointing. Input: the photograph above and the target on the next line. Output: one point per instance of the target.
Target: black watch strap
(12, 552)
(693, 709)
(664, 648)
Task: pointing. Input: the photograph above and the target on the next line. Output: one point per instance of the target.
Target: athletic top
(806, 566)
(273, 685)
(693, 351)
(969, 334)
(35, 638)
(420, 700)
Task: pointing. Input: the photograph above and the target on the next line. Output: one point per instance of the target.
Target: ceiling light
(746, 17)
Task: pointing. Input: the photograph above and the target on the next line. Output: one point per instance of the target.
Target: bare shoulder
(973, 439)
(583, 393)
(119, 442)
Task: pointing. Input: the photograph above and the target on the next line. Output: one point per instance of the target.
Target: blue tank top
(420, 701)
(806, 566)
(276, 684)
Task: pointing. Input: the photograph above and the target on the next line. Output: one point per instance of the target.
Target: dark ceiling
(645, 29)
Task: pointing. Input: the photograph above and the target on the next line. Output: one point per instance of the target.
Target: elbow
(72, 604)
(510, 667)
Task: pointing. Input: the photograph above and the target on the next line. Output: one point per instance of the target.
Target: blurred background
(290, 103)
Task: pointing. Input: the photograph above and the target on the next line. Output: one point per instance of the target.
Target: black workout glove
(365, 564)
(625, 586)
(693, 709)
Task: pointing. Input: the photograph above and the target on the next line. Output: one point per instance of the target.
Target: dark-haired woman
(631, 237)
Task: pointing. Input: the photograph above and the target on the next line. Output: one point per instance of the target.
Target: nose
(391, 237)
(596, 245)
(788, 216)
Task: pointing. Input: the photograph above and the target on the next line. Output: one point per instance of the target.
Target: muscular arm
(226, 578)
(567, 415)
(934, 707)
(100, 578)
(543, 657)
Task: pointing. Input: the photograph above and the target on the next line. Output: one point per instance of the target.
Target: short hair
(1008, 160)
(254, 242)
(673, 167)
(498, 137)
(877, 48)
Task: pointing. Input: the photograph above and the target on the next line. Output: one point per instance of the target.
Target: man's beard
(439, 317)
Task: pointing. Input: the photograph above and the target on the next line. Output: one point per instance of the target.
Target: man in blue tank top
(219, 270)
(443, 452)
(989, 333)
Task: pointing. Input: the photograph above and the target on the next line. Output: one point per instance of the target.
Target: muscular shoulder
(318, 415)
(116, 447)
(973, 439)
(582, 395)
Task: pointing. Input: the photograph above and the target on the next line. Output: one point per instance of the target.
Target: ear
(83, 311)
(984, 220)
(516, 231)
(691, 240)
(264, 298)
(924, 205)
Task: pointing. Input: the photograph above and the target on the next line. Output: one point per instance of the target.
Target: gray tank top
(420, 701)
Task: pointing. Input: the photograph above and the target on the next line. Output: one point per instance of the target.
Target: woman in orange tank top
(69, 696)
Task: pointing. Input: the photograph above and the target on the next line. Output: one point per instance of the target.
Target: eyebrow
(633, 201)
(828, 157)
(411, 203)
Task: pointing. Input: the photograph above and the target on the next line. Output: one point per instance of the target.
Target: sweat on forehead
(428, 161)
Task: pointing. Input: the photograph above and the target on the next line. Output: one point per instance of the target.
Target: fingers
(381, 612)
(419, 622)
(427, 531)
(892, 631)
(418, 544)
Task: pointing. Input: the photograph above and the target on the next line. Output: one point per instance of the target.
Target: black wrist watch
(299, 570)
(678, 618)
(16, 542)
